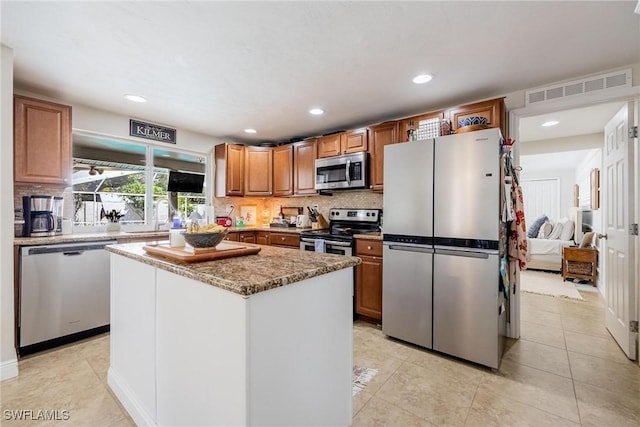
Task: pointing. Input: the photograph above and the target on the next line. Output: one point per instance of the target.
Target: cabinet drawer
(368, 247)
(283, 239)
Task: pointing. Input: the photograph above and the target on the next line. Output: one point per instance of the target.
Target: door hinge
(633, 326)
(633, 229)
(633, 131)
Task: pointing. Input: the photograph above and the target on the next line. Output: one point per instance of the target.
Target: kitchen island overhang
(198, 344)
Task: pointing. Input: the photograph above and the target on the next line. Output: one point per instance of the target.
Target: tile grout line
(573, 383)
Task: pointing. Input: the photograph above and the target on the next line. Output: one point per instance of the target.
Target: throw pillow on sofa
(555, 233)
(545, 230)
(567, 230)
(534, 228)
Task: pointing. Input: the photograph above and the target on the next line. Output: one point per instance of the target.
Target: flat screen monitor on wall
(185, 182)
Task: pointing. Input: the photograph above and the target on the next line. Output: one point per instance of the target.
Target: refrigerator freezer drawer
(407, 293)
(466, 307)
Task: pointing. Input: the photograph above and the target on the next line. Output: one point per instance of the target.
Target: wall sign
(151, 131)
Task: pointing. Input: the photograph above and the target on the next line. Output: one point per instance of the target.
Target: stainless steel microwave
(342, 172)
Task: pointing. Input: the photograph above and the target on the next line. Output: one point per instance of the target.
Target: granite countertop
(113, 235)
(271, 268)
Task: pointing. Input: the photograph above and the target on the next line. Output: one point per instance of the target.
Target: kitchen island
(263, 339)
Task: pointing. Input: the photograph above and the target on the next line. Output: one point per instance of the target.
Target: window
(113, 175)
(541, 196)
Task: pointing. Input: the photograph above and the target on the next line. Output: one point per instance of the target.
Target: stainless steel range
(343, 224)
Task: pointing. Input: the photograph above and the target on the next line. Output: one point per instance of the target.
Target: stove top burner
(344, 223)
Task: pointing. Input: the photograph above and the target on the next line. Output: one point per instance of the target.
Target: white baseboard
(8, 369)
(128, 400)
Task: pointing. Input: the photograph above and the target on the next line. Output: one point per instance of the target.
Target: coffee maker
(39, 219)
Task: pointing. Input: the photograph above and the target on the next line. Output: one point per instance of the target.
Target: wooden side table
(580, 263)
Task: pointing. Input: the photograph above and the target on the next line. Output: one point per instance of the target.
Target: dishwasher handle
(72, 253)
(73, 249)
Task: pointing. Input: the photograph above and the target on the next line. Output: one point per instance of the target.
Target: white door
(617, 250)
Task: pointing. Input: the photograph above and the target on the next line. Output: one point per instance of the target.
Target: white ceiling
(220, 67)
(579, 121)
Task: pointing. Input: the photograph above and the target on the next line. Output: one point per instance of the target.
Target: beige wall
(558, 145)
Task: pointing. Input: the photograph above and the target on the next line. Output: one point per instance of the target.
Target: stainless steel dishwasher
(64, 293)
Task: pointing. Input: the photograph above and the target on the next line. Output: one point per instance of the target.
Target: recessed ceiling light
(135, 98)
(422, 78)
(316, 111)
(250, 131)
(550, 123)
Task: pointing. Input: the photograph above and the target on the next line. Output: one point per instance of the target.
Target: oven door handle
(327, 242)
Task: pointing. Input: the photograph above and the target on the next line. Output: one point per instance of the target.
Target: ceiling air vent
(592, 84)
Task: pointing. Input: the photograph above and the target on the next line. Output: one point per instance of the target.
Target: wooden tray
(188, 254)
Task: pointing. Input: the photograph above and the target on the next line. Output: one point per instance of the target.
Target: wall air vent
(587, 85)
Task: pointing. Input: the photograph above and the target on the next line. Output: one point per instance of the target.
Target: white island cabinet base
(188, 353)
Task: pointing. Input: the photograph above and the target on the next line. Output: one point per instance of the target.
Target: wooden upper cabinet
(329, 145)
(258, 171)
(304, 171)
(379, 136)
(353, 141)
(494, 111)
(404, 124)
(229, 160)
(42, 141)
(283, 170)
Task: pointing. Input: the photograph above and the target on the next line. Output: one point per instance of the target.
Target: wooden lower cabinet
(285, 239)
(233, 236)
(247, 236)
(369, 279)
(262, 237)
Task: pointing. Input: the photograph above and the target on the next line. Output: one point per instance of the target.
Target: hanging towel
(320, 246)
(517, 249)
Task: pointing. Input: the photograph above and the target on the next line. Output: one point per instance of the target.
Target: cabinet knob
(369, 247)
(282, 238)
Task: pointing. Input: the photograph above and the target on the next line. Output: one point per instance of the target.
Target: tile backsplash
(364, 199)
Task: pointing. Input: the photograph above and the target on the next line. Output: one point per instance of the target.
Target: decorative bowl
(206, 239)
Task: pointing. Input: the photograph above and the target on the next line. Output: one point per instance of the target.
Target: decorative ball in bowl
(205, 239)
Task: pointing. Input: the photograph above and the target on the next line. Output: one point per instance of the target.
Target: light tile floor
(566, 370)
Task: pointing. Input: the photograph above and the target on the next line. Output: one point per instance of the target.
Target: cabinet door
(329, 145)
(233, 237)
(379, 136)
(258, 171)
(405, 124)
(283, 170)
(354, 141)
(247, 237)
(492, 110)
(42, 141)
(304, 158)
(229, 160)
(369, 287)
(262, 237)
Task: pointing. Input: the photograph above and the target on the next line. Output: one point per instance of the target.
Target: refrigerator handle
(347, 173)
(465, 254)
(411, 249)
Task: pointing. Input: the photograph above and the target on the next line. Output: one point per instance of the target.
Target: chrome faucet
(156, 212)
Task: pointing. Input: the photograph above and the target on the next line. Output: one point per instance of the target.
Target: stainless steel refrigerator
(441, 261)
